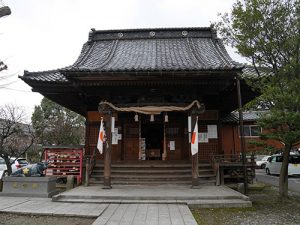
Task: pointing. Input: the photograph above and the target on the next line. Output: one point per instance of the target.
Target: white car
(2, 166)
(20, 162)
(262, 163)
(273, 165)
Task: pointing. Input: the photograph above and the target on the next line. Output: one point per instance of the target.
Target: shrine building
(150, 86)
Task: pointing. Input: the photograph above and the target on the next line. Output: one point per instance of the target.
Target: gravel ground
(16, 219)
(267, 209)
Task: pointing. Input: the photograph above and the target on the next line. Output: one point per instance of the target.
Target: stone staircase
(152, 173)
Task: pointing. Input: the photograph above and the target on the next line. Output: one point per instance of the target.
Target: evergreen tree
(55, 125)
(267, 33)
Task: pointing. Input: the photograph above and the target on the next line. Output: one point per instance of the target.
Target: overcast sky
(48, 34)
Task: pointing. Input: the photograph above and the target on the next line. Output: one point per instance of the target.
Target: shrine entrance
(152, 138)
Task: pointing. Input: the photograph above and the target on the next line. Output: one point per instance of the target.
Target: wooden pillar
(195, 160)
(243, 146)
(164, 155)
(87, 136)
(107, 112)
(107, 153)
(87, 170)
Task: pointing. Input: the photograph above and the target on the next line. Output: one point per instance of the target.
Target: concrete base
(29, 187)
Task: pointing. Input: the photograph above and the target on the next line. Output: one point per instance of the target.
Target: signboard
(212, 131)
(143, 149)
(114, 140)
(202, 138)
(172, 145)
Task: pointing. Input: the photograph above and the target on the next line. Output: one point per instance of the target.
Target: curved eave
(72, 73)
(32, 82)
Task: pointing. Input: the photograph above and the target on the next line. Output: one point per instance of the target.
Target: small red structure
(64, 161)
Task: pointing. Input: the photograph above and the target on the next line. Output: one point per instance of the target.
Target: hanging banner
(194, 143)
(189, 124)
(101, 137)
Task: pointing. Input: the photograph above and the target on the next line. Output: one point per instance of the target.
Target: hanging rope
(154, 110)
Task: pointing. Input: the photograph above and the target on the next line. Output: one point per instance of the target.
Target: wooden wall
(231, 143)
(176, 130)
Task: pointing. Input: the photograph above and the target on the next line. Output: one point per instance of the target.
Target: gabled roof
(145, 50)
(173, 49)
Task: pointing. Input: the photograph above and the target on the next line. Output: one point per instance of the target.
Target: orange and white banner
(194, 142)
(101, 137)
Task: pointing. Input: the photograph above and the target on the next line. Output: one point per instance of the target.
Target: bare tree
(16, 137)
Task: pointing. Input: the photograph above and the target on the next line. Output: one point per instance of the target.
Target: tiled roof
(184, 49)
(247, 116)
(56, 76)
(250, 72)
(145, 50)
(53, 76)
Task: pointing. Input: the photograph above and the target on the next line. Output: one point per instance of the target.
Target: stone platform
(29, 187)
(203, 197)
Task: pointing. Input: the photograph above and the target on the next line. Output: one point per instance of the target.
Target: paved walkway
(146, 214)
(44, 206)
(129, 205)
(121, 214)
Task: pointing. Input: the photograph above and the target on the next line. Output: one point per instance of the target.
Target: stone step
(202, 181)
(153, 172)
(135, 170)
(156, 176)
(152, 165)
(218, 203)
(114, 198)
(149, 183)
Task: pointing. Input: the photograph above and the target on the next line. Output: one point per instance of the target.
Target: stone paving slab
(146, 214)
(7, 202)
(110, 214)
(47, 207)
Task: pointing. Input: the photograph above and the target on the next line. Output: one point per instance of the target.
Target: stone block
(29, 186)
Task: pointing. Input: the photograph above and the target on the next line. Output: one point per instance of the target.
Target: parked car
(2, 165)
(18, 163)
(274, 163)
(262, 163)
